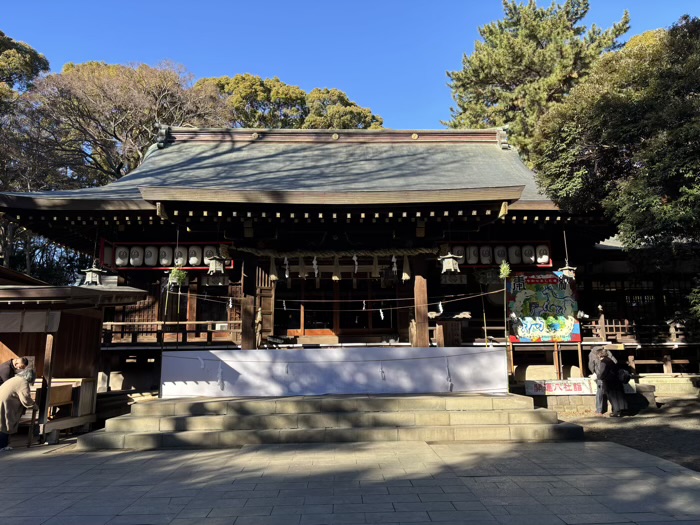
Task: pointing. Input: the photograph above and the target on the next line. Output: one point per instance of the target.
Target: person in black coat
(9, 368)
(613, 388)
(601, 401)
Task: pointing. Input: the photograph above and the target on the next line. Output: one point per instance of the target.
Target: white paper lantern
(528, 254)
(500, 254)
(165, 256)
(150, 255)
(194, 255)
(209, 252)
(472, 254)
(180, 256)
(542, 254)
(486, 255)
(121, 256)
(136, 256)
(515, 255)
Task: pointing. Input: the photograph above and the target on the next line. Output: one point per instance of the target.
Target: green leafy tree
(332, 109)
(254, 102)
(625, 143)
(20, 164)
(526, 62)
(20, 64)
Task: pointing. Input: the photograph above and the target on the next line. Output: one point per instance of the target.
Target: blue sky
(390, 56)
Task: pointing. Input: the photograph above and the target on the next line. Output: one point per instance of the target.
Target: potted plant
(177, 277)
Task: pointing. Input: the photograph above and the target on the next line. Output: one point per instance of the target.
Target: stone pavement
(353, 483)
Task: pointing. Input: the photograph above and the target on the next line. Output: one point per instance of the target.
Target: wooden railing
(170, 332)
(625, 331)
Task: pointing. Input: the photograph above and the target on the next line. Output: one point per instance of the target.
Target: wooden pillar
(249, 289)
(579, 347)
(511, 361)
(192, 292)
(420, 300)
(248, 322)
(46, 374)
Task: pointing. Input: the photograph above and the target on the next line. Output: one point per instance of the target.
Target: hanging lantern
(449, 263)
(273, 270)
(336, 269)
(286, 268)
(93, 276)
(217, 264)
(194, 256)
(180, 256)
(406, 273)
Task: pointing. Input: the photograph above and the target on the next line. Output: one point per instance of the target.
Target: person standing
(612, 386)
(9, 368)
(15, 396)
(601, 400)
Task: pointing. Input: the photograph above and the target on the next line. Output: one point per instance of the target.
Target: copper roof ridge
(169, 135)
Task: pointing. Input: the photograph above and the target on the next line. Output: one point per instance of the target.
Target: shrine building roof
(311, 167)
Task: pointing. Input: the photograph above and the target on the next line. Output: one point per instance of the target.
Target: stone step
(231, 438)
(329, 420)
(316, 404)
(673, 386)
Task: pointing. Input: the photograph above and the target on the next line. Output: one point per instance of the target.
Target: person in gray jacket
(601, 400)
(15, 396)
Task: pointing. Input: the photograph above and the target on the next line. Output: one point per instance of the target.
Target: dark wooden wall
(76, 345)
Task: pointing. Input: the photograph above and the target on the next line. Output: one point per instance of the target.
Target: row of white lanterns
(526, 254)
(165, 256)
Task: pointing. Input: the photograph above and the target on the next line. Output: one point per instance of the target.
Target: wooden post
(557, 360)
(248, 322)
(439, 336)
(579, 347)
(511, 362)
(601, 327)
(420, 299)
(46, 374)
(668, 364)
(192, 292)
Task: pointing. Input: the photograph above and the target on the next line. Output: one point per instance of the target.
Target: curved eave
(505, 193)
(527, 205)
(70, 296)
(26, 202)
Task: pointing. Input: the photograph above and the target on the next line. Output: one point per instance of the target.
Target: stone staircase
(685, 385)
(221, 423)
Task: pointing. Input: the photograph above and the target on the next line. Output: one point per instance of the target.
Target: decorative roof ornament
(449, 262)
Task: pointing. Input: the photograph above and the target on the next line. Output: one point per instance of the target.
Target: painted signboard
(567, 387)
(543, 308)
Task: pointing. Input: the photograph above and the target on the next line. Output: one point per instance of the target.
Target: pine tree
(526, 62)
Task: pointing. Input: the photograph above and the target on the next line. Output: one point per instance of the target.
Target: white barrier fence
(318, 371)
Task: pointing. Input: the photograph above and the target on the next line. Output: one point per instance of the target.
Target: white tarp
(317, 371)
